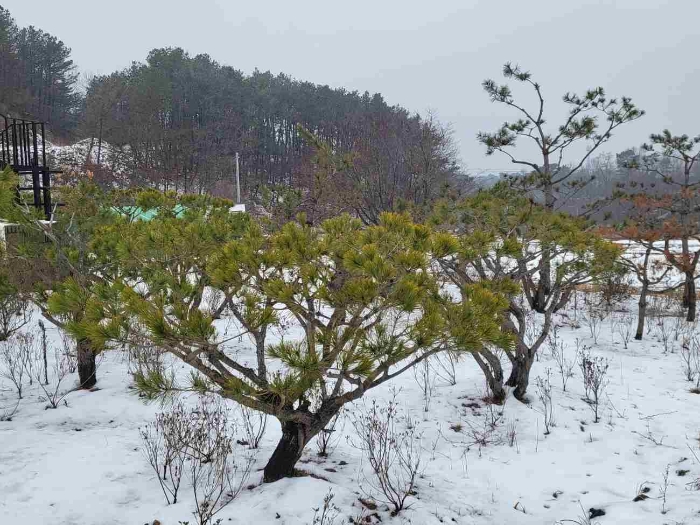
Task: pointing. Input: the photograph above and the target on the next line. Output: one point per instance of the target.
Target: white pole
(238, 182)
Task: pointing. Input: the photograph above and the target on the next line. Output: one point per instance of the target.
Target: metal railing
(22, 147)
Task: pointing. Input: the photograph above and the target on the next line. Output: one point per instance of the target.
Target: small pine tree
(497, 237)
(363, 299)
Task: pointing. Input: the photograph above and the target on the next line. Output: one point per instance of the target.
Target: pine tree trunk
(540, 303)
(498, 392)
(289, 449)
(512, 378)
(493, 372)
(520, 376)
(87, 368)
(544, 286)
(691, 296)
(641, 316)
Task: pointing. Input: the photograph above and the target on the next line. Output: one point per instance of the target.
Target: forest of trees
(185, 138)
(177, 122)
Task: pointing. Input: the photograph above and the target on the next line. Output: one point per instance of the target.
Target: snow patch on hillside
(87, 155)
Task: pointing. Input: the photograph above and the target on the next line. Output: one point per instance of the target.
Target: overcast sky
(424, 55)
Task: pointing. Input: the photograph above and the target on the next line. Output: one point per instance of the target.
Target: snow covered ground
(82, 463)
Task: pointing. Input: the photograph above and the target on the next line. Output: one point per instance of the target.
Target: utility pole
(238, 182)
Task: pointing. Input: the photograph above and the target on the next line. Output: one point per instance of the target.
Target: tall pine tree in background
(553, 172)
(37, 76)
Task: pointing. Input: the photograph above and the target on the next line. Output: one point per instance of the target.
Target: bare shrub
(16, 356)
(198, 442)
(660, 306)
(594, 371)
(144, 358)
(615, 289)
(665, 332)
(327, 513)
(446, 363)
(394, 454)
(583, 354)
(664, 489)
(254, 425)
(544, 394)
(326, 441)
(30, 350)
(678, 326)
(689, 348)
(218, 481)
(15, 313)
(164, 444)
(494, 413)
(650, 436)
(426, 381)
(210, 429)
(564, 365)
(60, 370)
(553, 340)
(594, 318)
(485, 432)
(512, 433)
(624, 327)
(69, 352)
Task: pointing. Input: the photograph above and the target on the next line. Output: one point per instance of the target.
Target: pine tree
(498, 237)
(552, 174)
(37, 76)
(364, 302)
(54, 265)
